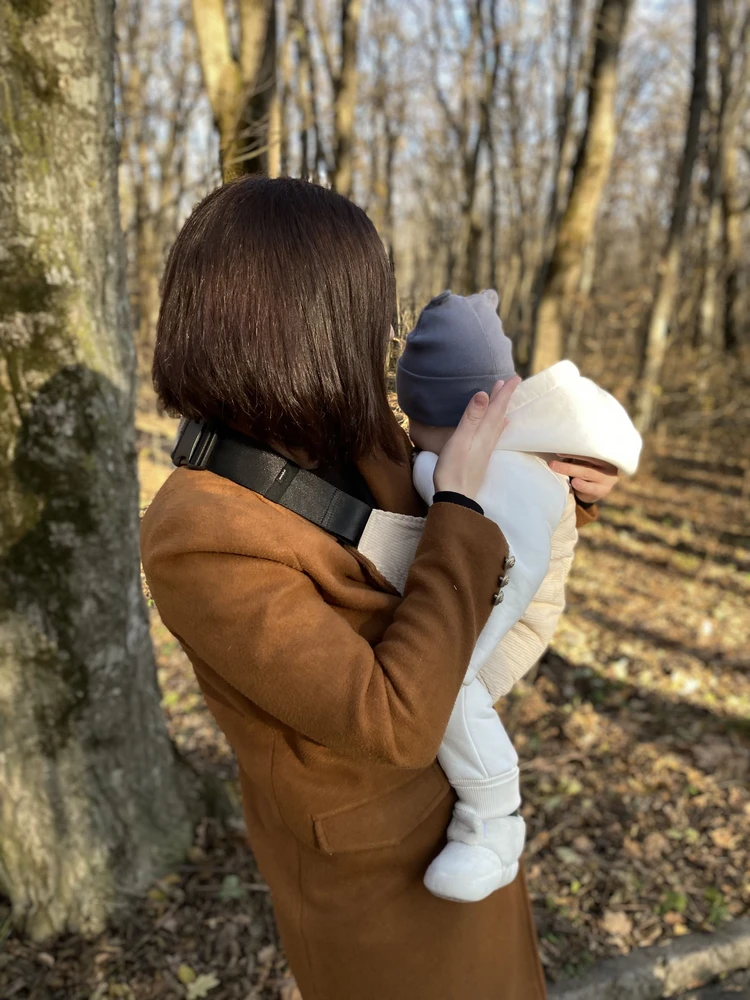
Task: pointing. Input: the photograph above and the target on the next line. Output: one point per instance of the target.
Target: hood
(559, 411)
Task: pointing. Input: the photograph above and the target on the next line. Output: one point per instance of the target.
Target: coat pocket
(382, 821)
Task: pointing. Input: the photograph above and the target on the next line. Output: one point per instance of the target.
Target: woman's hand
(463, 461)
(591, 479)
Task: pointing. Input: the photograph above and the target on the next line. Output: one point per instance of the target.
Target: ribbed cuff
(491, 797)
(448, 496)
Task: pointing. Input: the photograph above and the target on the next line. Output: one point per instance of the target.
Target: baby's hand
(591, 479)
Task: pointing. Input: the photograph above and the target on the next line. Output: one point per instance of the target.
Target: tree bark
(732, 251)
(708, 311)
(590, 172)
(514, 304)
(734, 38)
(669, 265)
(579, 305)
(242, 91)
(345, 98)
(260, 124)
(94, 802)
(151, 152)
(573, 76)
(480, 61)
(494, 221)
(149, 265)
(312, 155)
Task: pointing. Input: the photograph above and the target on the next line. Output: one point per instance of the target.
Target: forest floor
(635, 747)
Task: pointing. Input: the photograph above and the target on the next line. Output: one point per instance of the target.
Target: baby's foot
(480, 857)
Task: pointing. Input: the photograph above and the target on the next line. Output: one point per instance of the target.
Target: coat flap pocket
(384, 820)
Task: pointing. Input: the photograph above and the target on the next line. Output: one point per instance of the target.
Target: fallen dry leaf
(655, 846)
(616, 923)
(724, 837)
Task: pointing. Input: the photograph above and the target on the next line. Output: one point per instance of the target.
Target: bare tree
(313, 159)
(341, 69)
(669, 265)
(158, 84)
(345, 98)
(485, 14)
(388, 101)
(467, 117)
(733, 17)
(93, 800)
(706, 327)
(730, 28)
(590, 173)
(572, 55)
(522, 62)
(242, 88)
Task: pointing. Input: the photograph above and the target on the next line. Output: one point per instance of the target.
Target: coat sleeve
(585, 515)
(265, 629)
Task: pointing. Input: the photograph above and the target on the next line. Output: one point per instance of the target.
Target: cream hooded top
(555, 412)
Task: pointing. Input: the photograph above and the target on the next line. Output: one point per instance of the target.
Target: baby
(458, 348)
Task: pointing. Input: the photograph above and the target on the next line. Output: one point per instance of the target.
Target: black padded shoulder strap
(234, 456)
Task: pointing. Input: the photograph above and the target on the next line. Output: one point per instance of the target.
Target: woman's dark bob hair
(276, 310)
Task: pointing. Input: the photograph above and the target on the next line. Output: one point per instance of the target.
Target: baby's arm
(527, 640)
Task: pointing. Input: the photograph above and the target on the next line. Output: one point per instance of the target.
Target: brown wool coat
(334, 694)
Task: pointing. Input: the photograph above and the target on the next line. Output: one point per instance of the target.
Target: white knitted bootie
(481, 855)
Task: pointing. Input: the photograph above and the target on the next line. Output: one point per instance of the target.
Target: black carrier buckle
(195, 443)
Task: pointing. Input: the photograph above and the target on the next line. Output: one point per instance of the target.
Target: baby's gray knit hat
(457, 348)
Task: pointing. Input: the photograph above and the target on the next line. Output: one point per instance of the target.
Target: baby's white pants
(477, 756)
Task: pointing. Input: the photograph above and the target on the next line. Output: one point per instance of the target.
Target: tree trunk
(669, 265)
(576, 226)
(732, 251)
(494, 221)
(485, 47)
(471, 281)
(149, 265)
(312, 156)
(260, 124)
(242, 91)
(345, 98)
(152, 151)
(580, 300)
(734, 38)
(708, 311)
(94, 802)
(571, 80)
(568, 90)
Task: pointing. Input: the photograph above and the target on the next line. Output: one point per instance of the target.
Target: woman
(333, 691)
